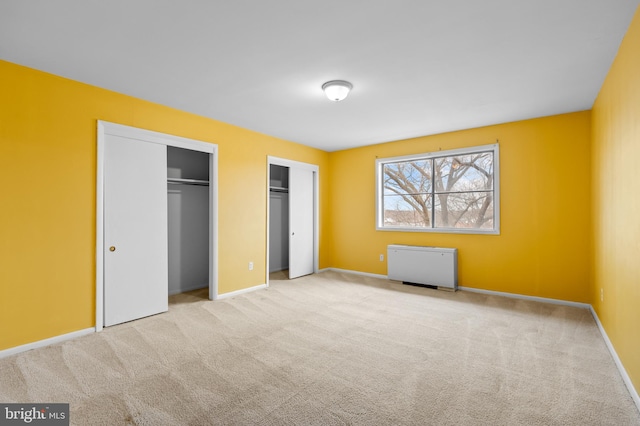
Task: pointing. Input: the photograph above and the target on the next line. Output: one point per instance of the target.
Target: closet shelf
(278, 189)
(180, 181)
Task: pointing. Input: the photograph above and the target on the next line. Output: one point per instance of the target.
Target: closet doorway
(141, 240)
(292, 232)
(188, 219)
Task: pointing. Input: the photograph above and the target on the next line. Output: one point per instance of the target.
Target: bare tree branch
(416, 181)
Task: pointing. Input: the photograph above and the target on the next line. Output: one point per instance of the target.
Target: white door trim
(316, 203)
(106, 128)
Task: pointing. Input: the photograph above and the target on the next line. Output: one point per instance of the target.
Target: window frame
(381, 162)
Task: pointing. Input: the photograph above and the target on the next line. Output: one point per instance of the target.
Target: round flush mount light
(337, 90)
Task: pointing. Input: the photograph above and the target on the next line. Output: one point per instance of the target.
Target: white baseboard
(347, 271)
(57, 339)
(625, 377)
(476, 290)
(524, 297)
(239, 292)
(46, 342)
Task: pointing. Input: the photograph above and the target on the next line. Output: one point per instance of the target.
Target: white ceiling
(418, 67)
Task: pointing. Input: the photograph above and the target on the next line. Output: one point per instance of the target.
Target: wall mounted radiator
(431, 266)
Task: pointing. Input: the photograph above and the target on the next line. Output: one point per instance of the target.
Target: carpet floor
(334, 349)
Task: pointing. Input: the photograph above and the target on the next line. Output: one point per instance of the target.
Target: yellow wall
(543, 247)
(47, 208)
(616, 202)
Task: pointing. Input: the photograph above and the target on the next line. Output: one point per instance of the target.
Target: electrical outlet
(382, 258)
(602, 294)
(251, 266)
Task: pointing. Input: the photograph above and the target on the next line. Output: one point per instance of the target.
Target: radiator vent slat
(434, 266)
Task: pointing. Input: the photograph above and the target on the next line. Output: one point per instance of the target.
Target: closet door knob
(112, 248)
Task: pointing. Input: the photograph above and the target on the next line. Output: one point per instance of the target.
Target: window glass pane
(408, 177)
(407, 210)
(441, 191)
(471, 172)
(464, 210)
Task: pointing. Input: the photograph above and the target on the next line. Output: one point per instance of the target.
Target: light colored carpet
(334, 349)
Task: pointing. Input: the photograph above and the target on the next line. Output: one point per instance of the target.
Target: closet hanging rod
(179, 181)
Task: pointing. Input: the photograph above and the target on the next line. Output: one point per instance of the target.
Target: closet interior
(278, 218)
(188, 219)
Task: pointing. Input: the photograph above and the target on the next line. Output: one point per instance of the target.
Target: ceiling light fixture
(337, 90)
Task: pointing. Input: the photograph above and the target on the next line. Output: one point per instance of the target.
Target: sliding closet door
(301, 222)
(135, 229)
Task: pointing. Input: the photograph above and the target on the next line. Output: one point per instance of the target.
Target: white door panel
(135, 229)
(301, 222)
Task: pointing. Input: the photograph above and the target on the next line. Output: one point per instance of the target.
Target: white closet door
(135, 229)
(300, 222)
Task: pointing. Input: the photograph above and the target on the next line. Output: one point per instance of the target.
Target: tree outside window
(451, 190)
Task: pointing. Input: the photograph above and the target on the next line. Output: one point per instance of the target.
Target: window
(444, 191)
